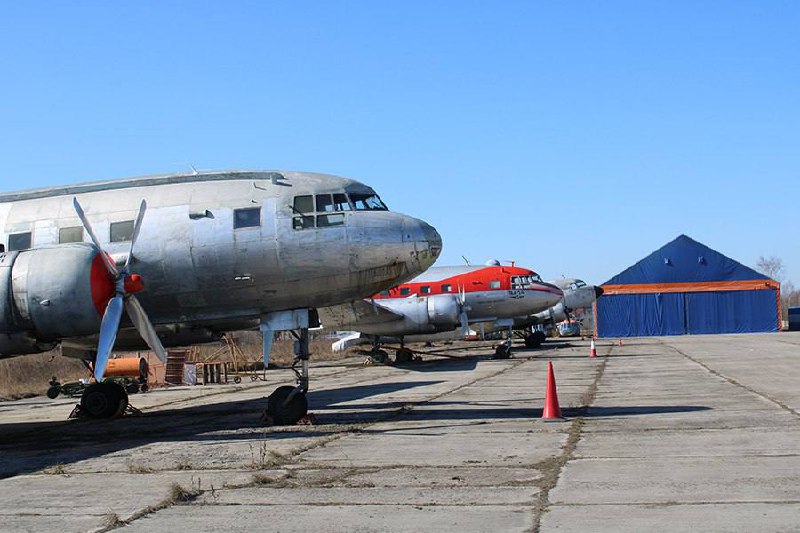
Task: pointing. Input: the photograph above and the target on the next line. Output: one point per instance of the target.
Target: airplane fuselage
(221, 249)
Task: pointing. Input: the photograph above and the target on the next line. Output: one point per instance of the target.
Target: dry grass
(28, 375)
(282, 354)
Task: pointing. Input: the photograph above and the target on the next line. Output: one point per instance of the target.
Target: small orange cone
(551, 412)
(592, 349)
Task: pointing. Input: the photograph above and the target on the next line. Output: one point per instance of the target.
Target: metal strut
(301, 358)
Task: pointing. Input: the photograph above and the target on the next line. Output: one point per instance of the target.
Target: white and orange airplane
(440, 300)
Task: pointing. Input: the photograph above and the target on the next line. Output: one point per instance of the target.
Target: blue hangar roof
(684, 260)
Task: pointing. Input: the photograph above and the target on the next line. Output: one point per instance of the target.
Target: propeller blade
(112, 268)
(136, 227)
(145, 327)
(108, 335)
(464, 322)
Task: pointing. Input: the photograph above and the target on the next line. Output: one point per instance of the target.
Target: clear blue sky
(572, 137)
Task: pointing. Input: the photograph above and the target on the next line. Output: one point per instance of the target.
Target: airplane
(219, 251)
(442, 299)
(577, 294)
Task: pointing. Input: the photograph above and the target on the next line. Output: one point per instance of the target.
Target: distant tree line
(773, 267)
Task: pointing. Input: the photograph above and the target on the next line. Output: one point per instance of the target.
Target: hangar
(686, 288)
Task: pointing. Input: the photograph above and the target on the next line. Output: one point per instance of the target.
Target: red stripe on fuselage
(469, 281)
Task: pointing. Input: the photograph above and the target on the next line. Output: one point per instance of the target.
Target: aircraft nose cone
(598, 291)
(433, 239)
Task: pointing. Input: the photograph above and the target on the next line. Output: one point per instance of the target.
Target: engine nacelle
(555, 314)
(50, 293)
(426, 314)
(444, 311)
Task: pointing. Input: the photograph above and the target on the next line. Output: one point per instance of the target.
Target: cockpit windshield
(522, 282)
(367, 202)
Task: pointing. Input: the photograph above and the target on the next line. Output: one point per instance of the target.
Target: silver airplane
(577, 295)
(217, 251)
(440, 300)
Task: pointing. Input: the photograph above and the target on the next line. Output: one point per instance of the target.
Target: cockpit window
(324, 203)
(579, 283)
(304, 204)
(368, 202)
(329, 206)
(340, 202)
(521, 282)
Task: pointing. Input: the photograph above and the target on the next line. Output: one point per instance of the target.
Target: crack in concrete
(734, 382)
(294, 455)
(551, 468)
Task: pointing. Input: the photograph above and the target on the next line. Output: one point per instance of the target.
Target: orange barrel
(132, 367)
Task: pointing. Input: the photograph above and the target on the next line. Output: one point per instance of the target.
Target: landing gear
(286, 408)
(378, 355)
(503, 351)
(104, 400)
(534, 339)
(287, 404)
(403, 354)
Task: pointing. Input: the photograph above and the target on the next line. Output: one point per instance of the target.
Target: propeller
(125, 285)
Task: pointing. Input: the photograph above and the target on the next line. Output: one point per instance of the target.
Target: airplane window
(368, 202)
(580, 283)
(324, 203)
(447, 287)
(303, 222)
(340, 202)
(249, 217)
(324, 221)
(71, 234)
(405, 291)
(304, 204)
(494, 284)
(385, 293)
(425, 290)
(121, 231)
(19, 241)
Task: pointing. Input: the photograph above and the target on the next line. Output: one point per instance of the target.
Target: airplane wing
(360, 312)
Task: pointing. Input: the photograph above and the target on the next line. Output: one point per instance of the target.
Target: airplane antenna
(194, 170)
(466, 260)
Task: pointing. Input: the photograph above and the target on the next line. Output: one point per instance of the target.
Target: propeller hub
(133, 284)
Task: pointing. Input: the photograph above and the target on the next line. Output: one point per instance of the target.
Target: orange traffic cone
(592, 349)
(551, 412)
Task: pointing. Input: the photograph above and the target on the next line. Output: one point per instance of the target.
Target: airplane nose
(433, 239)
(598, 291)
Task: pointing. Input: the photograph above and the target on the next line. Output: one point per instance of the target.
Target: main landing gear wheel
(285, 413)
(403, 355)
(502, 352)
(535, 339)
(104, 400)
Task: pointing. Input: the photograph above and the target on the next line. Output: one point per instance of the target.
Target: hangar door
(681, 313)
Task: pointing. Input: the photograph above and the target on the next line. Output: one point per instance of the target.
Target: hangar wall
(686, 288)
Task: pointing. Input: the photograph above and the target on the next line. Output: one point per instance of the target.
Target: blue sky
(572, 137)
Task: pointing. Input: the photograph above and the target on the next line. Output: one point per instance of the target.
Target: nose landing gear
(106, 399)
(287, 405)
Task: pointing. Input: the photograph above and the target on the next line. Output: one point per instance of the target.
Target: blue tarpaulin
(702, 310)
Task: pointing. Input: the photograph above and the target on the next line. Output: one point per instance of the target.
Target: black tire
(132, 387)
(144, 388)
(403, 355)
(502, 352)
(101, 400)
(53, 392)
(532, 341)
(237, 380)
(540, 335)
(289, 414)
